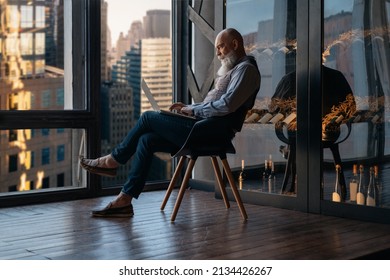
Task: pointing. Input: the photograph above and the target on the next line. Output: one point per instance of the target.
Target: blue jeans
(154, 132)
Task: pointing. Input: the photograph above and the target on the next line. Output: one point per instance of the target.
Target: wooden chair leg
(221, 185)
(233, 186)
(290, 170)
(172, 184)
(183, 187)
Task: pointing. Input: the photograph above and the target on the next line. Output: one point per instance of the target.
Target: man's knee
(148, 114)
(147, 140)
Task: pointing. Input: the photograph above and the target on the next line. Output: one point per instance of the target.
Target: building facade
(156, 70)
(32, 78)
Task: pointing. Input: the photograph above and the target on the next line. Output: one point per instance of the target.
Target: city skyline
(121, 13)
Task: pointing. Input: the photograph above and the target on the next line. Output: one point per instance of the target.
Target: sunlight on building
(40, 176)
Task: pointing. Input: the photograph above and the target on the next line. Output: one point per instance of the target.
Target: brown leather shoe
(117, 212)
(92, 165)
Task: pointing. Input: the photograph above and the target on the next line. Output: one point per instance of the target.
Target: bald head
(232, 34)
(229, 40)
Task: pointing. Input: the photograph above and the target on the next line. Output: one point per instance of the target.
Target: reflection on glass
(35, 159)
(32, 53)
(356, 40)
(269, 31)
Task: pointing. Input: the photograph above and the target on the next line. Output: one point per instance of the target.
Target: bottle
(360, 199)
(376, 117)
(272, 174)
(266, 172)
(290, 118)
(356, 117)
(335, 122)
(353, 184)
(270, 167)
(378, 186)
(242, 175)
(277, 117)
(331, 132)
(267, 168)
(264, 119)
(336, 196)
(371, 191)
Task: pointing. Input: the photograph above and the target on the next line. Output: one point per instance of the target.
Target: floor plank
(203, 229)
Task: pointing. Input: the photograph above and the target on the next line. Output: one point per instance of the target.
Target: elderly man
(156, 132)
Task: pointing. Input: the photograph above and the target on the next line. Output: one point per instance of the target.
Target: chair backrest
(237, 118)
(210, 136)
(213, 136)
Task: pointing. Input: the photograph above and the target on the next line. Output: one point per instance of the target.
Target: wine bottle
(356, 118)
(336, 196)
(266, 172)
(276, 118)
(272, 174)
(353, 184)
(336, 120)
(242, 175)
(331, 132)
(290, 118)
(252, 118)
(360, 199)
(375, 119)
(371, 191)
(267, 168)
(264, 119)
(378, 186)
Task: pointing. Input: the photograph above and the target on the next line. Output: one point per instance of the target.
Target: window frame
(74, 119)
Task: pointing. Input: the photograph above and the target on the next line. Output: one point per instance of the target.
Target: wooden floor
(204, 229)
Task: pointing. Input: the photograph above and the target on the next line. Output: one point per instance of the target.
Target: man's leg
(170, 128)
(148, 144)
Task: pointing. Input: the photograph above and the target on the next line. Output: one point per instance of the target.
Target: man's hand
(181, 108)
(176, 106)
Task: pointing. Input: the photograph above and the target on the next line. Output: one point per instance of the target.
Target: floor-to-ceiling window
(267, 141)
(356, 43)
(343, 55)
(136, 45)
(44, 96)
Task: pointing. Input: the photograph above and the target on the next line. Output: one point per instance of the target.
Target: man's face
(225, 53)
(222, 46)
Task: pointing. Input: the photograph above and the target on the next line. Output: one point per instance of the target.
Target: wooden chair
(332, 143)
(210, 137)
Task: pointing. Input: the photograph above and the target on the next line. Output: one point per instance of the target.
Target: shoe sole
(117, 215)
(108, 172)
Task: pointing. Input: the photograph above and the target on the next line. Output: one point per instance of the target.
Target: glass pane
(356, 43)
(269, 31)
(36, 58)
(136, 45)
(35, 159)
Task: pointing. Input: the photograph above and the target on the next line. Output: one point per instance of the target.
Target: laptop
(155, 106)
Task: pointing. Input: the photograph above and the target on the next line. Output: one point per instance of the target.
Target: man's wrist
(187, 110)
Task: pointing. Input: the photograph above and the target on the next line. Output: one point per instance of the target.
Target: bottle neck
(371, 182)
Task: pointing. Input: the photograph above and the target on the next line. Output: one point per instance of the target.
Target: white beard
(228, 63)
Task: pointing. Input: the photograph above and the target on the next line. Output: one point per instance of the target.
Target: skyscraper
(156, 70)
(32, 78)
(157, 24)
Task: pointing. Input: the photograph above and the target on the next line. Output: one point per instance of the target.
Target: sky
(121, 13)
(245, 14)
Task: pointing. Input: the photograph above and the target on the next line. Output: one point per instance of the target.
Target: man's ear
(235, 44)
